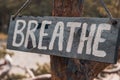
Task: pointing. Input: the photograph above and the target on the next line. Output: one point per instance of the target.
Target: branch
(113, 70)
(3, 74)
(27, 70)
(41, 77)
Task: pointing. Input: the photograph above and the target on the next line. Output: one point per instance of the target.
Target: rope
(79, 5)
(107, 10)
(53, 6)
(21, 8)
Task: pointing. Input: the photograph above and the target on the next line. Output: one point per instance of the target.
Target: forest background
(92, 8)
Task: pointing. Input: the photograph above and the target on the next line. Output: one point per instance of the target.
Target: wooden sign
(83, 38)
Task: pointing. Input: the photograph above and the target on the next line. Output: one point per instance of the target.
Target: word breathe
(93, 39)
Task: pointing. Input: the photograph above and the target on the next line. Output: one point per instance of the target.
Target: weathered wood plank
(99, 39)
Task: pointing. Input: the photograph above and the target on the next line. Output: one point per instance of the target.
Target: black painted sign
(83, 38)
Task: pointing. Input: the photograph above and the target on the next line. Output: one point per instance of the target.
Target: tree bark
(67, 68)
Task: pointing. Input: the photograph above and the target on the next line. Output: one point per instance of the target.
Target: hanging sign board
(83, 38)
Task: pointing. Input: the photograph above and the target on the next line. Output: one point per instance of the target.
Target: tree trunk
(72, 69)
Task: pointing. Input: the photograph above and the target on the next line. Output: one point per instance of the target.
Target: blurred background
(28, 65)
